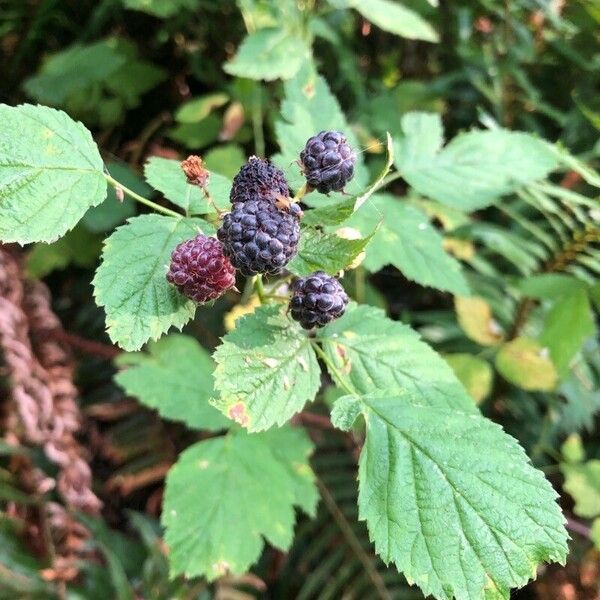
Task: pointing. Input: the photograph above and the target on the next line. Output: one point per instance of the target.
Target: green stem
(387, 180)
(260, 289)
(141, 199)
(332, 368)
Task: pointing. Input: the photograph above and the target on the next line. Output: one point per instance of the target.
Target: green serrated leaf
(175, 378)
(167, 177)
(331, 214)
(373, 352)
(527, 364)
(216, 510)
(131, 285)
(453, 501)
(310, 107)
(395, 18)
(475, 168)
(50, 173)
(266, 370)
(408, 241)
(323, 251)
(269, 54)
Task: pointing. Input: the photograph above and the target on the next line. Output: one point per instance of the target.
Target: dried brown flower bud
(195, 171)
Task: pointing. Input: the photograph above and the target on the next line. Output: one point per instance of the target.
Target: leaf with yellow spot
(527, 364)
(51, 173)
(266, 370)
(475, 317)
(217, 513)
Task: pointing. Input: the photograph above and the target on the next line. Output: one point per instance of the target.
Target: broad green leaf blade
(568, 324)
(131, 285)
(226, 494)
(452, 500)
(175, 378)
(308, 108)
(330, 214)
(408, 241)
(269, 54)
(168, 178)
(50, 173)
(475, 168)
(266, 370)
(527, 364)
(373, 352)
(395, 18)
(549, 286)
(322, 251)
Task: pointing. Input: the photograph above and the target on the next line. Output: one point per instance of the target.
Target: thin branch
(141, 199)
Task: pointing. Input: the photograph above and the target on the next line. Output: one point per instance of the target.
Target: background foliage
(483, 235)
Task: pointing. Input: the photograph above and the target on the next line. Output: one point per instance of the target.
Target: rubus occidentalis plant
(448, 496)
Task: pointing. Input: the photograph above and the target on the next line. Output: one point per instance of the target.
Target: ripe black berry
(258, 237)
(327, 162)
(200, 270)
(259, 179)
(317, 300)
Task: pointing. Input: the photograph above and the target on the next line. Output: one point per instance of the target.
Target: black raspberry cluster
(261, 233)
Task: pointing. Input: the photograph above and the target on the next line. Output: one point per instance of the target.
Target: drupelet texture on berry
(327, 162)
(258, 237)
(200, 270)
(317, 300)
(259, 179)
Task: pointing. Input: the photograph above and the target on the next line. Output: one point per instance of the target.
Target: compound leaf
(266, 370)
(131, 285)
(50, 173)
(226, 494)
(175, 378)
(475, 168)
(457, 520)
